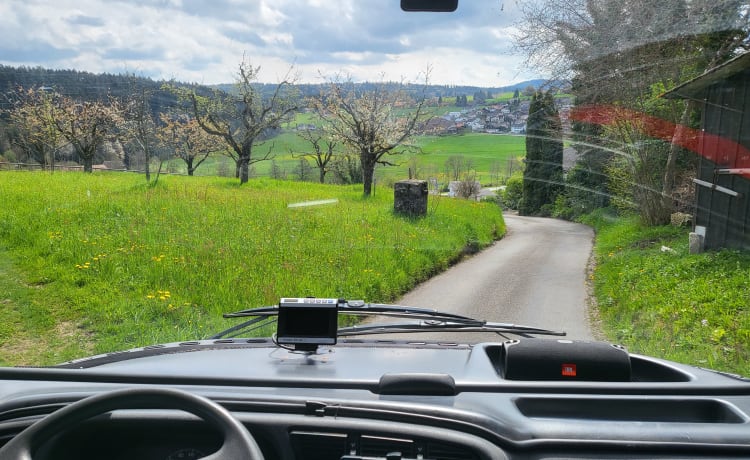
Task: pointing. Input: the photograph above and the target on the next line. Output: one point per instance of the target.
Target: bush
(513, 193)
(468, 187)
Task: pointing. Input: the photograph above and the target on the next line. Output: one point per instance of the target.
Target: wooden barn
(722, 216)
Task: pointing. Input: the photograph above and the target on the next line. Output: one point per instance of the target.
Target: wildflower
(704, 322)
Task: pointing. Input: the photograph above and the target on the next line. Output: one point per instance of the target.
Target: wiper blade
(444, 326)
(243, 327)
(361, 308)
(426, 320)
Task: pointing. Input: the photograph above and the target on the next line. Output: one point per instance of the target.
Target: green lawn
(692, 308)
(92, 263)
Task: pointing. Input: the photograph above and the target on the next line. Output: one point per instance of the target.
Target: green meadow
(489, 155)
(691, 308)
(91, 263)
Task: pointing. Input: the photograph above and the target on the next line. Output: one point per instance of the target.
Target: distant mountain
(537, 83)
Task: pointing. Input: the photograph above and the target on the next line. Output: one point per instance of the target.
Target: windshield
(576, 165)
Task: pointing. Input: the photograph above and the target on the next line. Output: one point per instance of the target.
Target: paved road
(534, 276)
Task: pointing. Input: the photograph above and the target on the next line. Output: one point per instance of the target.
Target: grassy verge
(91, 263)
(688, 308)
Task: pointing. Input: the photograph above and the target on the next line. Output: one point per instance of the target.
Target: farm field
(489, 154)
(91, 263)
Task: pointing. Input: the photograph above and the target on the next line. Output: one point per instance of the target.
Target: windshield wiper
(361, 308)
(444, 326)
(424, 320)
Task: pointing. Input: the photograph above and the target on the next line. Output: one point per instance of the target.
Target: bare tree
(373, 120)
(323, 146)
(242, 120)
(139, 125)
(455, 166)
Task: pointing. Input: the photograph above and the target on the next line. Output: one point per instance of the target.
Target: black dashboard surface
(369, 399)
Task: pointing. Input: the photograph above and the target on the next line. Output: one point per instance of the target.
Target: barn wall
(726, 218)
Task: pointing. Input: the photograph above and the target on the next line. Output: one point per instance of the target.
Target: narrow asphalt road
(535, 275)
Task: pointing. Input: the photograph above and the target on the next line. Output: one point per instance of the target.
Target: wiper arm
(361, 308)
(426, 320)
(444, 326)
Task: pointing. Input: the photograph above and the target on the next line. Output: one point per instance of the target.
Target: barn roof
(696, 88)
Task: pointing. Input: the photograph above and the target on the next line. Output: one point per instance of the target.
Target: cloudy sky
(203, 41)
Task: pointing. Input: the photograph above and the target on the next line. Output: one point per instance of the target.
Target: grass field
(91, 263)
(487, 152)
(691, 308)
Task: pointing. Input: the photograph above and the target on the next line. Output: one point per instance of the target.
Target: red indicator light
(569, 370)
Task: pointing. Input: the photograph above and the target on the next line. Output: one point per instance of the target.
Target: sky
(204, 41)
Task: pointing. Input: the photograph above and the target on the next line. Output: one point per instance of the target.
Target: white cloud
(204, 41)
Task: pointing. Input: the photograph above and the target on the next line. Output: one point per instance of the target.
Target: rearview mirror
(429, 5)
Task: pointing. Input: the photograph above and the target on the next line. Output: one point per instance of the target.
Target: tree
(36, 135)
(277, 172)
(323, 149)
(242, 120)
(189, 142)
(347, 169)
(542, 177)
(456, 166)
(374, 122)
(85, 125)
(303, 170)
(140, 125)
(617, 51)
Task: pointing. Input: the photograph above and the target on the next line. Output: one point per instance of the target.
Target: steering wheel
(238, 443)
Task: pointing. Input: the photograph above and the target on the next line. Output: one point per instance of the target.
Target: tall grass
(98, 262)
(692, 308)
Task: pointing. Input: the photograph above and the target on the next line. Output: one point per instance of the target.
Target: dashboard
(381, 401)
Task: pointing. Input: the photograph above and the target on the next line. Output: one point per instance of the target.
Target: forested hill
(86, 85)
(308, 89)
(89, 86)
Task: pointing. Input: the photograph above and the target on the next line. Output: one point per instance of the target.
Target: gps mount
(305, 323)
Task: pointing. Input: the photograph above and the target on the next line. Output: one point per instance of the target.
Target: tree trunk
(368, 172)
(148, 169)
(88, 164)
(190, 168)
(244, 167)
(671, 166)
(322, 175)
